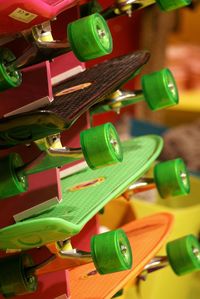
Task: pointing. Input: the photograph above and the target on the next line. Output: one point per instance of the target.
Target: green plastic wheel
(90, 37)
(9, 76)
(184, 255)
(12, 182)
(101, 146)
(160, 90)
(167, 5)
(111, 252)
(14, 280)
(172, 178)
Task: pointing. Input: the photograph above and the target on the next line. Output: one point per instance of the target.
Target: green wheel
(184, 255)
(111, 252)
(172, 178)
(9, 76)
(167, 5)
(14, 279)
(90, 37)
(12, 182)
(101, 146)
(160, 90)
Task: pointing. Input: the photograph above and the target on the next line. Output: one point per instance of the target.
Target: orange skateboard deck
(150, 231)
(146, 236)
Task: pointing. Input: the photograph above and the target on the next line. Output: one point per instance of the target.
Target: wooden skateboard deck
(73, 97)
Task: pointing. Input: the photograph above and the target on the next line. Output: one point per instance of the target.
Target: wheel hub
(183, 176)
(101, 33)
(123, 249)
(172, 88)
(196, 252)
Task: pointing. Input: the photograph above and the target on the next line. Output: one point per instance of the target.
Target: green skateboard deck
(84, 194)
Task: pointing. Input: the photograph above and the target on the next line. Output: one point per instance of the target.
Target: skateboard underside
(83, 195)
(146, 236)
(72, 98)
(99, 81)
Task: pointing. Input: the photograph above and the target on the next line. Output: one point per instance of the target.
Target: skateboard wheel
(14, 279)
(11, 182)
(160, 90)
(90, 37)
(9, 76)
(101, 146)
(168, 5)
(184, 255)
(172, 178)
(111, 252)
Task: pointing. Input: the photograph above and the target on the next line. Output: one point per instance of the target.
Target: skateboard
(121, 7)
(183, 256)
(73, 98)
(67, 218)
(145, 228)
(88, 38)
(155, 228)
(78, 94)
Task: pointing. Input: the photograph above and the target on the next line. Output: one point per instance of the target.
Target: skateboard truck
(159, 90)
(121, 7)
(88, 38)
(171, 178)
(100, 146)
(183, 255)
(114, 243)
(20, 277)
(53, 151)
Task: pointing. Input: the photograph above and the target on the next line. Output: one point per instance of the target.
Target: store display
(55, 132)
